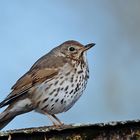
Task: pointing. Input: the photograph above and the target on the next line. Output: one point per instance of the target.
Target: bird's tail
(5, 118)
(13, 110)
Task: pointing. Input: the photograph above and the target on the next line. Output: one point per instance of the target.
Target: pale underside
(60, 93)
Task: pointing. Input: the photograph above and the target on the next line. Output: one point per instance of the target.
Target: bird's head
(73, 50)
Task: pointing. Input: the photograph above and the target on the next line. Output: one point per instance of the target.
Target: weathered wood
(129, 130)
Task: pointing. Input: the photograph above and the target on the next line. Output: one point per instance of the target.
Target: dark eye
(71, 49)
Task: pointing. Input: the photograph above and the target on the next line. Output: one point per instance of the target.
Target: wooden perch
(104, 131)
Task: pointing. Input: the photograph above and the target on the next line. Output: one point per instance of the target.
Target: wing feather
(27, 81)
(44, 68)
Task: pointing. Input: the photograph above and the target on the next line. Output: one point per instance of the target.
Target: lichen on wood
(103, 131)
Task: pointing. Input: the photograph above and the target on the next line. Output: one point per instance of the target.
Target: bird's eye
(71, 49)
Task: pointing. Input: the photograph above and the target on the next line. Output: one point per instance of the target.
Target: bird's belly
(58, 96)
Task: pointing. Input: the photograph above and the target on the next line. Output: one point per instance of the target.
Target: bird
(51, 86)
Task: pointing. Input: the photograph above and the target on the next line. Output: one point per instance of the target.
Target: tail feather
(13, 110)
(4, 122)
(5, 118)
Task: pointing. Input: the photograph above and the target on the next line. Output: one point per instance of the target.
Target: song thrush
(52, 85)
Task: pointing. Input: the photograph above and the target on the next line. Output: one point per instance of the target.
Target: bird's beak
(88, 46)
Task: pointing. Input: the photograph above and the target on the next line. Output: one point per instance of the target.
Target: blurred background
(29, 29)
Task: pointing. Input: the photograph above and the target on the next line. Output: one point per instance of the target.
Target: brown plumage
(46, 73)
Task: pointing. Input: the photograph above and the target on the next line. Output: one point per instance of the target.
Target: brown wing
(34, 77)
(45, 68)
(27, 81)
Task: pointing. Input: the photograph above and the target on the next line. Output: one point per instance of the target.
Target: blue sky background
(30, 28)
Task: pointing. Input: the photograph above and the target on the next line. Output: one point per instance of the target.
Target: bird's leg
(54, 123)
(60, 123)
